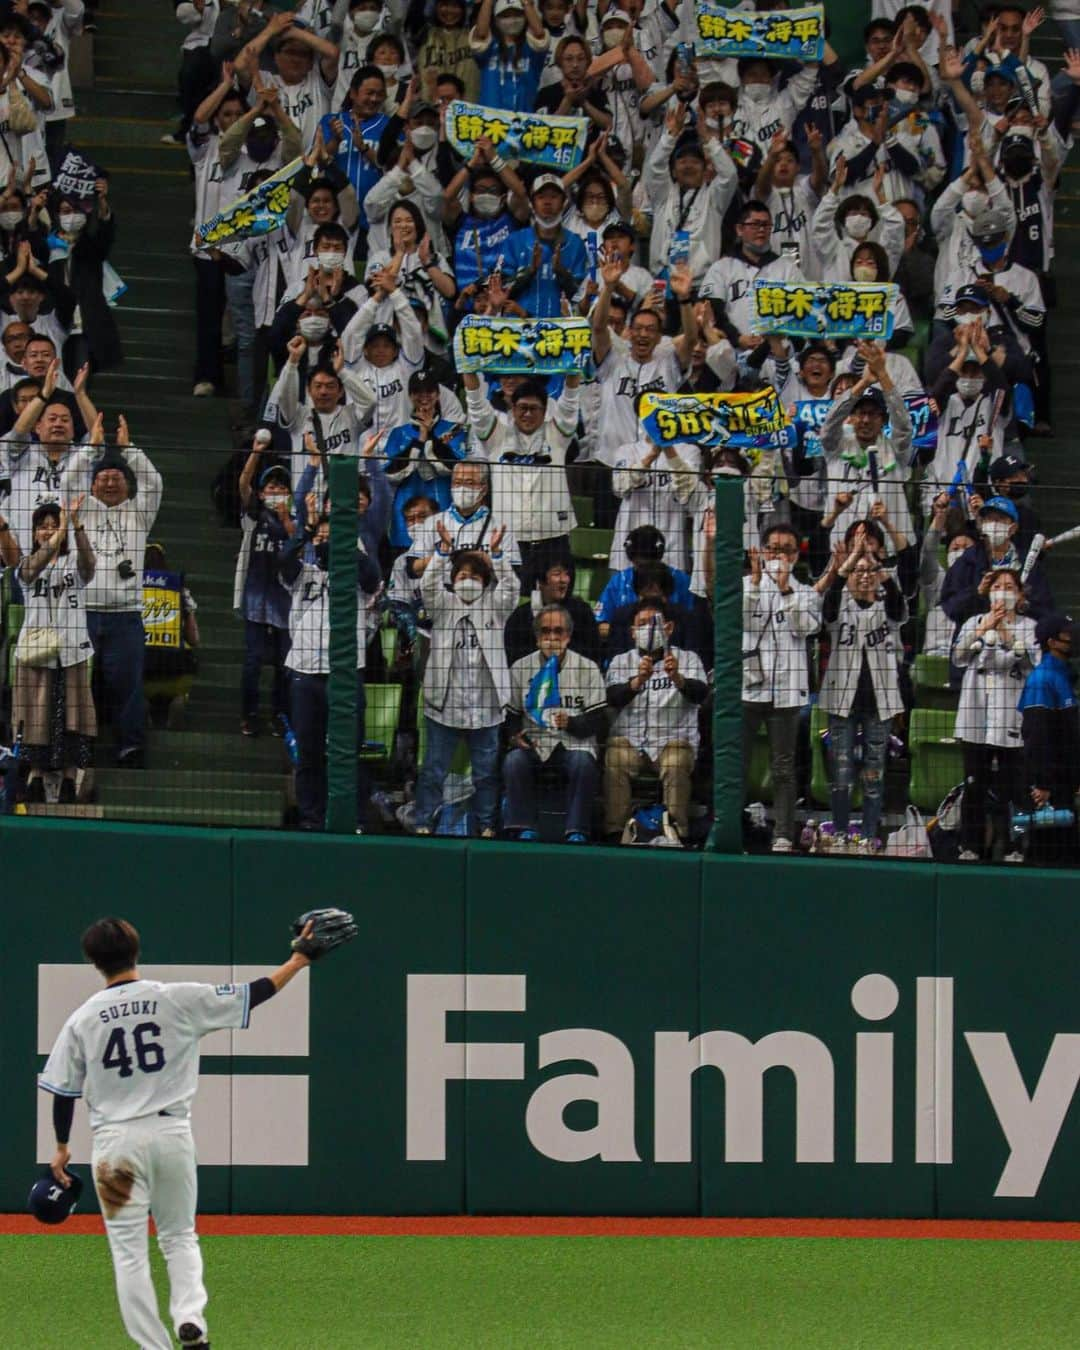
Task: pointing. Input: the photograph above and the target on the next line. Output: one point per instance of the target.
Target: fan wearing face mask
(974, 198)
(729, 282)
(967, 582)
(844, 220)
(488, 202)
(975, 399)
(469, 596)
(940, 630)
(259, 594)
(308, 661)
(420, 455)
(304, 68)
(544, 260)
(321, 197)
(779, 615)
(445, 47)
(763, 108)
(996, 651)
(87, 230)
(510, 45)
(468, 520)
(911, 150)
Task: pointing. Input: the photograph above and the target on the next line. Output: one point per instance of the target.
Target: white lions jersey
(133, 1049)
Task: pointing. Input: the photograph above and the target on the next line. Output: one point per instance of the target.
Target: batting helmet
(49, 1202)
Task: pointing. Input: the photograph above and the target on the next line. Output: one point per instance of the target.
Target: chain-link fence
(428, 643)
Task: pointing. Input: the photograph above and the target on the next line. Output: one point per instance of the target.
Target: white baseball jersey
(133, 1049)
(659, 713)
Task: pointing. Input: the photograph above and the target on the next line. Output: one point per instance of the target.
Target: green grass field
(326, 1293)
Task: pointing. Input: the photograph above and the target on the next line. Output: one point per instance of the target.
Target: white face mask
(613, 36)
(962, 320)
(646, 636)
(71, 222)
(511, 25)
(1005, 596)
(547, 222)
(757, 93)
(996, 533)
(276, 500)
(314, 327)
(468, 589)
(969, 389)
(954, 557)
(906, 97)
(466, 499)
(858, 226)
(487, 204)
(423, 138)
(773, 567)
(364, 20)
(330, 262)
(10, 219)
(864, 272)
(1021, 130)
(389, 73)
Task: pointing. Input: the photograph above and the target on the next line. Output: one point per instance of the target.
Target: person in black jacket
(1051, 732)
(551, 579)
(88, 231)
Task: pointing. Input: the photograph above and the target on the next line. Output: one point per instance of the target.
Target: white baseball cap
(503, 6)
(547, 180)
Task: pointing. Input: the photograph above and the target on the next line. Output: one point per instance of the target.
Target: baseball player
(133, 1050)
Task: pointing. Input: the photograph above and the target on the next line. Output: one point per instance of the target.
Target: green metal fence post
(726, 833)
(341, 763)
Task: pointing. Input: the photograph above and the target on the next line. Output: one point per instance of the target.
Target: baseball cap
(1000, 73)
(972, 295)
(378, 330)
(423, 382)
(547, 180)
(874, 396)
(1050, 625)
(1006, 465)
(867, 93)
(503, 6)
(423, 106)
(1001, 504)
(988, 225)
(278, 471)
(616, 16)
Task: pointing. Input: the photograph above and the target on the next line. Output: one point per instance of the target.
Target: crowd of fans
(932, 163)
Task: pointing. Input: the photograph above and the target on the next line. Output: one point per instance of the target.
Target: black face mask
(1017, 490)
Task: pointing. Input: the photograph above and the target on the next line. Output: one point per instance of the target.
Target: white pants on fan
(160, 1152)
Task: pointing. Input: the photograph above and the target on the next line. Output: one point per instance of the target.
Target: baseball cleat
(191, 1335)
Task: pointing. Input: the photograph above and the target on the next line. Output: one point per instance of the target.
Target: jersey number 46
(148, 1052)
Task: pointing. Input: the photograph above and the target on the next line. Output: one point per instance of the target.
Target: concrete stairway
(206, 774)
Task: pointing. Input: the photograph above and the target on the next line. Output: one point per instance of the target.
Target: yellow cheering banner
(548, 139)
(754, 421)
(260, 211)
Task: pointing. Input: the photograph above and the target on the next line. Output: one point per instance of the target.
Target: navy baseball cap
(378, 330)
(972, 295)
(1006, 465)
(1050, 625)
(49, 1202)
(1001, 504)
(874, 396)
(278, 471)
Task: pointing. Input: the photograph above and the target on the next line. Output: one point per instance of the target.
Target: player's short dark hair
(531, 388)
(880, 25)
(753, 208)
(448, 76)
(660, 606)
(654, 574)
(331, 232)
(781, 527)
(112, 945)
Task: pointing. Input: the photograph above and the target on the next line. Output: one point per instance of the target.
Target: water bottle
(289, 737)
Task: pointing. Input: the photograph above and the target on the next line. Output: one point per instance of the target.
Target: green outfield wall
(616, 1032)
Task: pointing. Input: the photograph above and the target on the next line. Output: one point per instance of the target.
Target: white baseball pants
(157, 1153)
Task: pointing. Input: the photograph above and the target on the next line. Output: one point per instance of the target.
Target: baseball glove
(332, 928)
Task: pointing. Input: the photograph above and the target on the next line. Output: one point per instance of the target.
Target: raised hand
(73, 509)
(444, 536)
(48, 385)
(839, 177)
(296, 347)
(497, 537)
(123, 435)
(613, 268)
(82, 375)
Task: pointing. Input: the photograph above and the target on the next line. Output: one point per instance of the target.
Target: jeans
(209, 306)
(308, 698)
(782, 725)
(483, 743)
(238, 292)
(119, 656)
(842, 751)
(263, 642)
(582, 775)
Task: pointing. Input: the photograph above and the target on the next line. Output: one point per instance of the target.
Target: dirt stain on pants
(114, 1183)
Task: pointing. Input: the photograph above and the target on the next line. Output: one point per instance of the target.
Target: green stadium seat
(381, 720)
(591, 545)
(388, 641)
(583, 511)
(930, 678)
(583, 583)
(937, 757)
(13, 622)
(759, 786)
